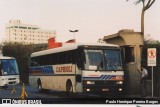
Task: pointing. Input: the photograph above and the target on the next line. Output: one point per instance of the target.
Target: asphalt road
(54, 97)
(32, 92)
(49, 97)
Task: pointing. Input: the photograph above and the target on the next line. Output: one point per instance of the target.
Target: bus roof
(70, 46)
(6, 57)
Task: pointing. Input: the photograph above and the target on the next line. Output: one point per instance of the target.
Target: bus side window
(73, 57)
(62, 58)
(80, 58)
(54, 59)
(70, 57)
(34, 61)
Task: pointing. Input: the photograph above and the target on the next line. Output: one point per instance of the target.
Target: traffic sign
(151, 57)
(152, 61)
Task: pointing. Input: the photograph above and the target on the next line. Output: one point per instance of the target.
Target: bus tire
(40, 89)
(69, 89)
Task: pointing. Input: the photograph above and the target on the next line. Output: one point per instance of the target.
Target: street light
(74, 31)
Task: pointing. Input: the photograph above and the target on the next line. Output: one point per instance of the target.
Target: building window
(129, 54)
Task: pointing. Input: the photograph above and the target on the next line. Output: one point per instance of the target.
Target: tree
(146, 5)
(156, 73)
(22, 54)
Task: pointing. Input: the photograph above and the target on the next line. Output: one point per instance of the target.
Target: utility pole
(74, 31)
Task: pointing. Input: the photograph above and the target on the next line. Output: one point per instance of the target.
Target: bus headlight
(119, 82)
(4, 82)
(90, 82)
(120, 89)
(18, 82)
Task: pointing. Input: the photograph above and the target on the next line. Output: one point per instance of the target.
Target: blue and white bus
(9, 73)
(78, 68)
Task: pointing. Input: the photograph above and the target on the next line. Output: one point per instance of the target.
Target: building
(131, 43)
(26, 33)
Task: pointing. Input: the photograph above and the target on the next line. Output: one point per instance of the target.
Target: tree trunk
(142, 21)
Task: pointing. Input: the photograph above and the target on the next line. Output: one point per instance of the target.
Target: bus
(9, 73)
(78, 68)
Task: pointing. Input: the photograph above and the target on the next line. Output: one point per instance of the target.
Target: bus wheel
(69, 89)
(40, 89)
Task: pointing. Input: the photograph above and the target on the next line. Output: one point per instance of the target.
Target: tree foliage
(146, 5)
(156, 74)
(22, 54)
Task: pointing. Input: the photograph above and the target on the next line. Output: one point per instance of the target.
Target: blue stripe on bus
(43, 69)
(102, 77)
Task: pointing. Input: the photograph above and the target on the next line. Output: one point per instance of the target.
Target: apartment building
(26, 33)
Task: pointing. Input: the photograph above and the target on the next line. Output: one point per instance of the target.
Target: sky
(93, 19)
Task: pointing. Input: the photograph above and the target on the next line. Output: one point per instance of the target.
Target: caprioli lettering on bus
(64, 69)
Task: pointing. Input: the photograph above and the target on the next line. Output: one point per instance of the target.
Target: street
(48, 97)
(55, 97)
(32, 92)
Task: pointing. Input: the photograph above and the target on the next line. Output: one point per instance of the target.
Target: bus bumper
(104, 87)
(9, 81)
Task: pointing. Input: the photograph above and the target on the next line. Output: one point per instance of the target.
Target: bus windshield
(9, 67)
(106, 60)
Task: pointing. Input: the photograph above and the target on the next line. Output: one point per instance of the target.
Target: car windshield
(106, 60)
(9, 67)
